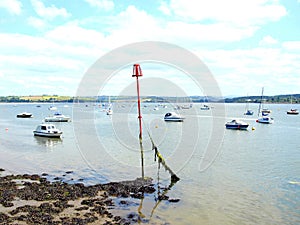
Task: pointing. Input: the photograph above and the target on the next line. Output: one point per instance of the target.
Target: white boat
(109, 111)
(57, 117)
(263, 116)
(52, 108)
(292, 111)
(205, 107)
(24, 115)
(265, 119)
(237, 125)
(47, 130)
(173, 117)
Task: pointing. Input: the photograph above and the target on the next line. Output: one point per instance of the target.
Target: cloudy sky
(46, 46)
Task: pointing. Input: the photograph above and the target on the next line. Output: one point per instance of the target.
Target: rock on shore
(32, 199)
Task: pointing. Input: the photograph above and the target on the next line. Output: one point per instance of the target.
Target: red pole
(137, 72)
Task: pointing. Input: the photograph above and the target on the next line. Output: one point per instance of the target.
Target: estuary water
(250, 177)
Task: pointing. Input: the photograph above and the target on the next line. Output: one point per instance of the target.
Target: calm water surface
(254, 179)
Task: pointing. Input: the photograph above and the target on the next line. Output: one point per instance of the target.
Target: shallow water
(253, 178)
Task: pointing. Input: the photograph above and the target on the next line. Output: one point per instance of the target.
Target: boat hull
(49, 135)
(57, 119)
(237, 127)
(265, 120)
(174, 119)
(292, 112)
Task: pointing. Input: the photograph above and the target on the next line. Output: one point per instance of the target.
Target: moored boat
(47, 130)
(173, 117)
(24, 115)
(293, 112)
(57, 117)
(237, 125)
(266, 111)
(265, 119)
(249, 112)
(52, 108)
(205, 107)
(263, 115)
(109, 111)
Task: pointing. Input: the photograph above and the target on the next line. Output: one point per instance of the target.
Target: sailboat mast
(261, 99)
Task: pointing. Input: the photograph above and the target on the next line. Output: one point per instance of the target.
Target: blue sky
(47, 46)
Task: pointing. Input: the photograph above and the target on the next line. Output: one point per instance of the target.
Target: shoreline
(32, 199)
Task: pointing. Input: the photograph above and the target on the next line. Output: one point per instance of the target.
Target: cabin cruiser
(47, 130)
(57, 117)
(237, 125)
(172, 116)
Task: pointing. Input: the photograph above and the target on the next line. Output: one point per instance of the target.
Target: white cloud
(101, 4)
(48, 12)
(137, 25)
(250, 69)
(72, 34)
(291, 45)
(164, 8)
(208, 32)
(12, 6)
(268, 40)
(231, 11)
(36, 22)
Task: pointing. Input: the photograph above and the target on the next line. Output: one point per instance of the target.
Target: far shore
(281, 99)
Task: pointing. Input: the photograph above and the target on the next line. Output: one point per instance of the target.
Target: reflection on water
(48, 142)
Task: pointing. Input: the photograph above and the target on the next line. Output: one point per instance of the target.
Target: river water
(250, 177)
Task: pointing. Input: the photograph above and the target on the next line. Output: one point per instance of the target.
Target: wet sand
(32, 199)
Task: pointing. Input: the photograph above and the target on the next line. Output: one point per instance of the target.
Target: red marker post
(137, 72)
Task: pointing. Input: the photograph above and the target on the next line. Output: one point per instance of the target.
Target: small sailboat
(205, 107)
(263, 116)
(52, 107)
(248, 112)
(109, 110)
(292, 111)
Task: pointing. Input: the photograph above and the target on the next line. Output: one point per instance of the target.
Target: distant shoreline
(280, 99)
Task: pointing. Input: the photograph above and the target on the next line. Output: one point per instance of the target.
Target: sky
(47, 46)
